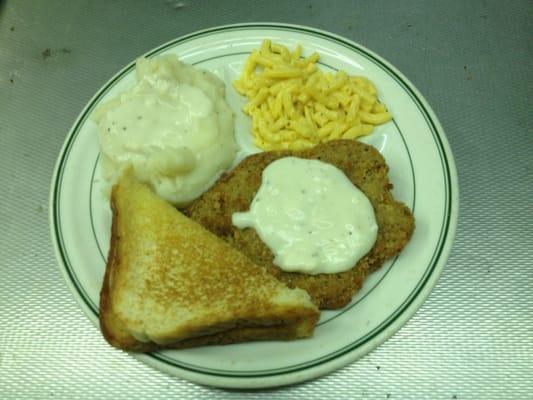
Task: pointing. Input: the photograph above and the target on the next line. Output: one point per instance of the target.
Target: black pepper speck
(46, 53)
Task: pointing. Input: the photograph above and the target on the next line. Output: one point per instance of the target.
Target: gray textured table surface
(472, 339)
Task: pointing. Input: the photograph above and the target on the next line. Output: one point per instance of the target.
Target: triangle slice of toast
(170, 283)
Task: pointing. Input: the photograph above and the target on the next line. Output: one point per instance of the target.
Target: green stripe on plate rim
(346, 349)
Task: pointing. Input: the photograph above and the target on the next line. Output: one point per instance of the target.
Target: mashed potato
(173, 127)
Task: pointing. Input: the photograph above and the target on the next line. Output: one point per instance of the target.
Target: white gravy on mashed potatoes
(311, 216)
(173, 127)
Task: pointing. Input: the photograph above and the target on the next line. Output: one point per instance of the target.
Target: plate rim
(406, 311)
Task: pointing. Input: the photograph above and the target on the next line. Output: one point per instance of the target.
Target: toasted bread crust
(362, 164)
(112, 328)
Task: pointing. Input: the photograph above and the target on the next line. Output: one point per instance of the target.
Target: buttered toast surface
(171, 283)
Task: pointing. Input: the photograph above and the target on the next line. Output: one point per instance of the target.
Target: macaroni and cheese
(294, 105)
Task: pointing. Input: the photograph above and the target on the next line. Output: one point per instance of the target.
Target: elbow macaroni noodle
(294, 105)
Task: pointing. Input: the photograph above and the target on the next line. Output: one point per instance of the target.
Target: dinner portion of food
(174, 127)
(366, 169)
(171, 283)
(200, 254)
(295, 105)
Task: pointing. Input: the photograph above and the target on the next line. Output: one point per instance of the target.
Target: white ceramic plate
(421, 169)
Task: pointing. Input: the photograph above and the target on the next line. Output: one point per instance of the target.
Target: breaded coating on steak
(366, 169)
